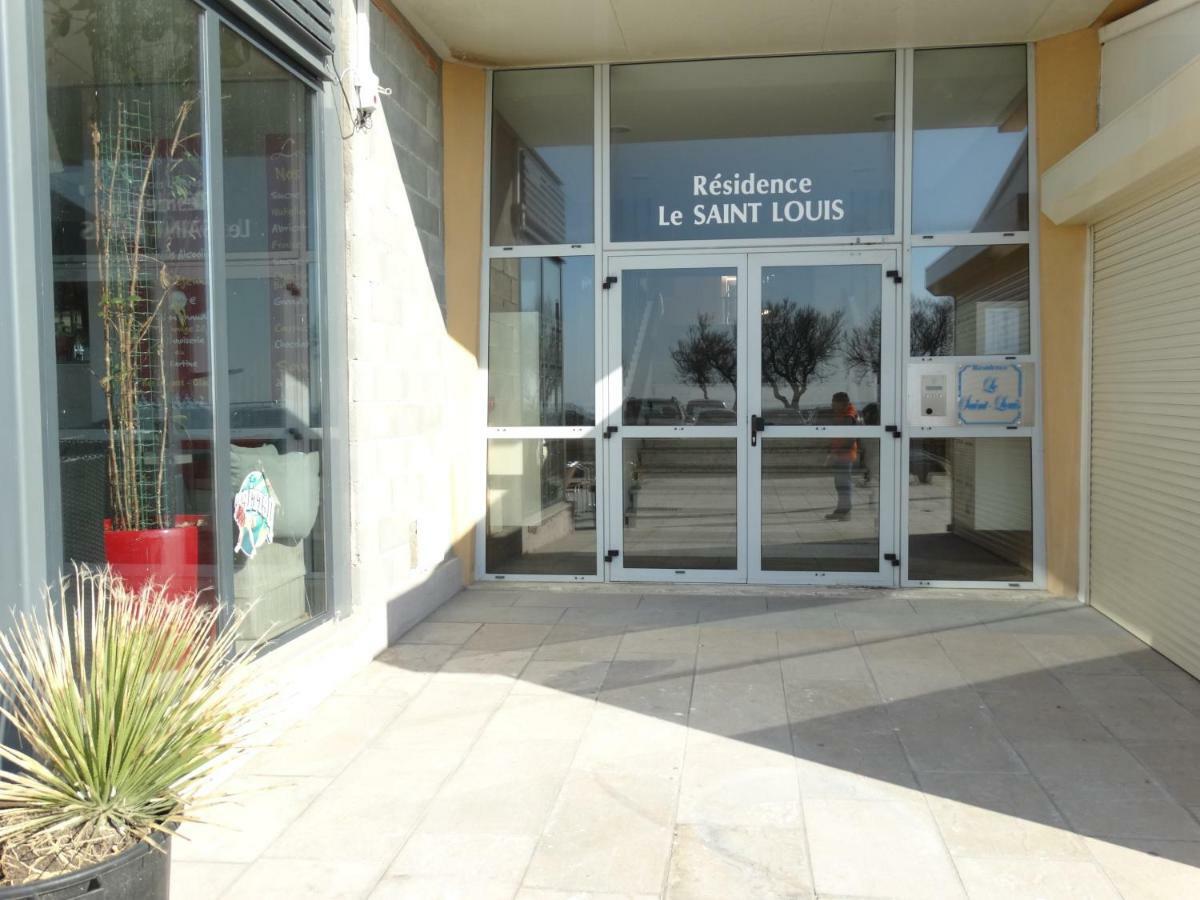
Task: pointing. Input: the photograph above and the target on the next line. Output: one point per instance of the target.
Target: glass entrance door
(822, 454)
(676, 429)
(751, 424)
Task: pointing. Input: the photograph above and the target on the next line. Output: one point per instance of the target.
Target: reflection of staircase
(691, 455)
(671, 456)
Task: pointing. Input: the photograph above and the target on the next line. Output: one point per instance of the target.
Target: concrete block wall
(413, 73)
(411, 385)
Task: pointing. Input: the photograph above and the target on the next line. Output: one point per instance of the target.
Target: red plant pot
(163, 555)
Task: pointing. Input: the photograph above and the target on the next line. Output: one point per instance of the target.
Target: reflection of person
(868, 452)
(843, 454)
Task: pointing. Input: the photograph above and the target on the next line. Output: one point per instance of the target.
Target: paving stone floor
(557, 743)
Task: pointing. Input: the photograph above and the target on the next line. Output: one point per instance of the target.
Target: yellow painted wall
(463, 96)
(1067, 90)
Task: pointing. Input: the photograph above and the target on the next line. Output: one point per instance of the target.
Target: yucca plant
(124, 701)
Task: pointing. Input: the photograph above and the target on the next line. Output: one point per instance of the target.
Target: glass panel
(970, 301)
(128, 221)
(970, 140)
(679, 346)
(542, 140)
(273, 340)
(541, 507)
(542, 341)
(821, 345)
(820, 504)
(970, 509)
(680, 503)
(799, 146)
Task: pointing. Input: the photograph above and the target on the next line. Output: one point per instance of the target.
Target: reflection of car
(653, 411)
(695, 407)
(715, 417)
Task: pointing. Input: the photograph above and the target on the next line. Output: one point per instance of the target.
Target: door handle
(757, 424)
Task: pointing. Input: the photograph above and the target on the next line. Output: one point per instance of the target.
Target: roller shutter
(303, 29)
(1145, 452)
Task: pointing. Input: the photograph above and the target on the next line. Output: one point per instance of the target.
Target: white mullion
(524, 251)
(484, 321)
(1035, 321)
(901, 465)
(899, 131)
(970, 238)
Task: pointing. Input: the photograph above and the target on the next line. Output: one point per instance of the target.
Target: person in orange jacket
(843, 455)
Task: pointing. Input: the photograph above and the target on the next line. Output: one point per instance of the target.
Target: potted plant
(119, 705)
(135, 175)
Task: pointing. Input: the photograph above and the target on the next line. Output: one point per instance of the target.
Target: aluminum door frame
(889, 474)
(612, 390)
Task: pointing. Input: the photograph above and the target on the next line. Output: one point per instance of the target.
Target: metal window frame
(919, 241)
(903, 241)
(326, 277)
(541, 432)
(25, 559)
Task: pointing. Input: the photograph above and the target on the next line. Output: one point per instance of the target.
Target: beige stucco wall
(1068, 82)
(463, 103)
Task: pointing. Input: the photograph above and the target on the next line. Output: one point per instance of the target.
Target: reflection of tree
(932, 328)
(863, 350)
(798, 343)
(707, 356)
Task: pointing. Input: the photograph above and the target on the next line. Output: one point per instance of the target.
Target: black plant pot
(140, 873)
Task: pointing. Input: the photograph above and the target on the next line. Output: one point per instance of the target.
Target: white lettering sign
(774, 208)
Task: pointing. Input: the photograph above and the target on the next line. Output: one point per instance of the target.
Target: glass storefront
(795, 361)
(135, 311)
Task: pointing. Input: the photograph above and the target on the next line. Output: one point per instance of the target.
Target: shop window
(970, 509)
(970, 301)
(782, 147)
(133, 311)
(542, 140)
(128, 223)
(541, 342)
(273, 340)
(541, 507)
(970, 140)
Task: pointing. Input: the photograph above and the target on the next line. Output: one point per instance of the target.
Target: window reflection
(679, 346)
(542, 135)
(541, 507)
(820, 504)
(970, 301)
(797, 146)
(821, 345)
(680, 503)
(541, 341)
(970, 140)
(128, 220)
(970, 509)
(273, 341)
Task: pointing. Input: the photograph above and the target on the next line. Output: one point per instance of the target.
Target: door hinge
(609, 281)
(893, 558)
(894, 274)
(611, 555)
(894, 431)
(610, 431)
